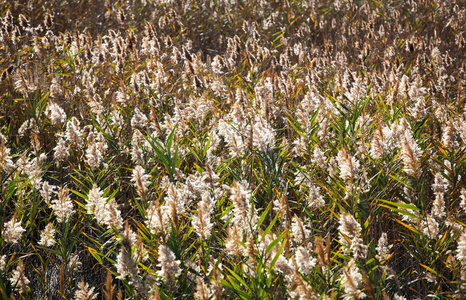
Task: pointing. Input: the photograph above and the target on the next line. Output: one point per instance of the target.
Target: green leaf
(85, 197)
(239, 278)
(236, 289)
(402, 205)
(275, 242)
(404, 212)
(274, 260)
(267, 230)
(95, 254)
(264, 214)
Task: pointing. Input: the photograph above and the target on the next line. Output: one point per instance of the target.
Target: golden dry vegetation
(232, 149)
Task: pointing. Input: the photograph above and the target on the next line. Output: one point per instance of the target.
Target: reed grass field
(232, 149)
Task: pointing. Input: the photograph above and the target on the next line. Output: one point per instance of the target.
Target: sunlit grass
(229, 150)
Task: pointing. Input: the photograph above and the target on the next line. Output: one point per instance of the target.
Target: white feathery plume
(47, 236)
(18, 278)
(63, 206)
(169, 265)
(13, 230)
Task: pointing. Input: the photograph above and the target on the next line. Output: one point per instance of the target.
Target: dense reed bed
(215, 149)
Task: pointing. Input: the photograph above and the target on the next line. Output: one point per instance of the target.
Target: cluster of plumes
(63, 205)
(363, 88)
(351, 281)
(141, 181)
(350, 236)
(202, 223)
(6, 163)
(18, 278)
(429, 222)
(169, 265)
(314, 196)
(349, 169)
(132, 252)
(410, 155)
(13, 230)
(47, 236)
(439, 189)
(461, 254)
(104, 210)
(84, 292)
(243, 216)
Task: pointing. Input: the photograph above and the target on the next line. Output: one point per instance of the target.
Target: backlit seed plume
(128, 237)
(438, 207)
(47, 191)
(232, 244)
(55, 88)
(461, 249)
(6, 164)
(304, 260)
(113, 217)
(116, 118)
(398, 297)
(314, 198)
(18, 278)
(299, 289)
(155, 221)
(23, 22)
(3, 263)
(280, 206)
(358, 247)
(352, 280)
(137, 155)
(175, 204)
(463, 199)
(235, 143)
(13, 230)
(93, 155)
(63, 206)
(348, 165)
(410, 155)
(139, 120)
(430, 226)
(319, 158)
(383, 248)
(264, 136)
(61, 151)
(202, 290)
(282, 264)
(439, 184)
(126, 266)
(22, 84)
(215, 286)
(55, 113)
(169, 265)
(377, 143)
(73, 131)
(449, 136)
(96, 203)
(350, 228)
(29, 126)
(84, 292)
(140, 253)
(300, 233)
(201, 222)
(240, 198)
(48, 20)
(47, 236)
(249, 251)
(141, 181)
